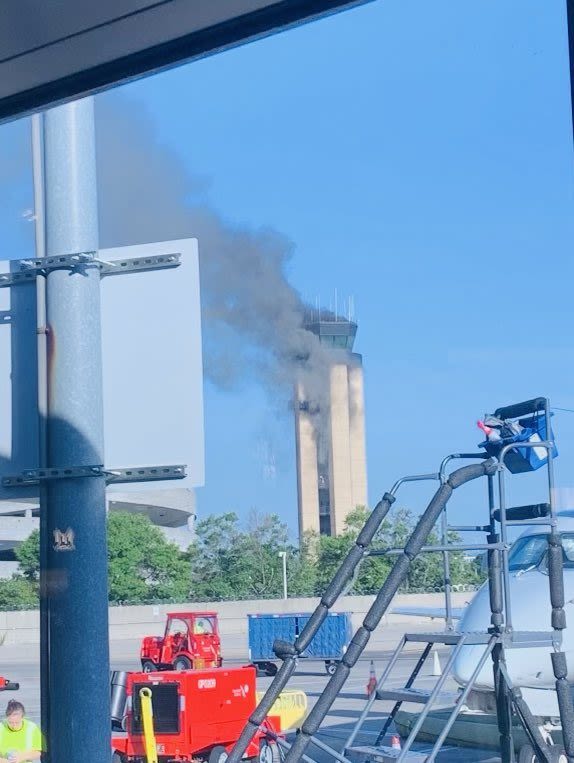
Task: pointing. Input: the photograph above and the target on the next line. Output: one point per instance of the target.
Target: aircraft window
(531, 551)
(568, 548)
(528, 552)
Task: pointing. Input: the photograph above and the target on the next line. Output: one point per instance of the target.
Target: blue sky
(419, 156)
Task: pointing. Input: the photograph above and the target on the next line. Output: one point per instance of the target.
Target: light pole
(74, 522)
(283, 555)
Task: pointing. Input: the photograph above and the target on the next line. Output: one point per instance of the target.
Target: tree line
(231, 561)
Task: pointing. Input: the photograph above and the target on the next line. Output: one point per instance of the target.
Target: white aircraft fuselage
(530, 610)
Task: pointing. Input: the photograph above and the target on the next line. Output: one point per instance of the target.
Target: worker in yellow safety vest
(20, 739)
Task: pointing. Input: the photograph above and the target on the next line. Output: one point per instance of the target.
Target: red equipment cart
(197, 715)
(191, 640)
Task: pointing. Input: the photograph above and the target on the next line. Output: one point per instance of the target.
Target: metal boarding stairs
(498, 637)
(381, 753)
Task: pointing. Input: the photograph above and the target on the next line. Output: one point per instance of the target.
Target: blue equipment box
(524, 459)
(329, 642)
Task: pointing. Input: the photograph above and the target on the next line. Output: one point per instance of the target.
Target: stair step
(382, 754)
(420, 696)
(513, 639)
(448, 637)
(529, 639)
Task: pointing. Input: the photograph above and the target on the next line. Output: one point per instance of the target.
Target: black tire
(270, 669)
(117, 757)
(330, 667)
(558, 754)
(148, 666)
(526, 754)
(217, 754)
(182, 663)
(269, 752)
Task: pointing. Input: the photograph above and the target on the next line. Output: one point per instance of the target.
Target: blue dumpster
(328, 645)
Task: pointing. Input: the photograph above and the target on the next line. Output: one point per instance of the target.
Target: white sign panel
(18, 381)
(153, 377)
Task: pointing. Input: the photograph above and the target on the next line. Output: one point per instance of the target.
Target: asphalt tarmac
(21, 664)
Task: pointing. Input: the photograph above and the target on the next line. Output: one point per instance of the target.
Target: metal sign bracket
(113, 476)
(29, 269)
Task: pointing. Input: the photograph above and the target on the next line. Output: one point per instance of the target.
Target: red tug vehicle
(7, 685)
(191, 641)
(196, 716)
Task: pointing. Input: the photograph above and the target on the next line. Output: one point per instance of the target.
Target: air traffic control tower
(331, 453)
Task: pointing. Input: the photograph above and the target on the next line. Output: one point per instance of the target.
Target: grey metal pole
(446, 572)
(76, 577)
(283, 555)
(504, 539)
(37, 125)
(42, 351)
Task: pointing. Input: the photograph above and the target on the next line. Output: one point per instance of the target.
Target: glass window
(527, 552)
(325, 524)
(531, 551)
(324, 502)
(568, 548)
(340, 341)
(203, 625)
(177, 626)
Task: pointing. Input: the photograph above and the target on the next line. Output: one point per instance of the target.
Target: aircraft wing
(432, 612)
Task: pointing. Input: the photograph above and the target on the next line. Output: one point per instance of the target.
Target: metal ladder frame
(500, 633)
(428, 705)
(555, 579)
(499, 574)
(290, 652)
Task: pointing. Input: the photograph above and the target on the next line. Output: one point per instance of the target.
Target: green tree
(215, 539)
(255, 564)
(228, 562)
(28, 556)
(302, 568)
(142, 564)
(425, 572)
(372, 572)
(18, 593)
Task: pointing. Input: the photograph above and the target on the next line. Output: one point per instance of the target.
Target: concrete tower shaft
(331, 452)
(340, 448)
(307, 472)
(357, 437)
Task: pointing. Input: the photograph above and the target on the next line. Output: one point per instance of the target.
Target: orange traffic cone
(372, 684)
(396, 742)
